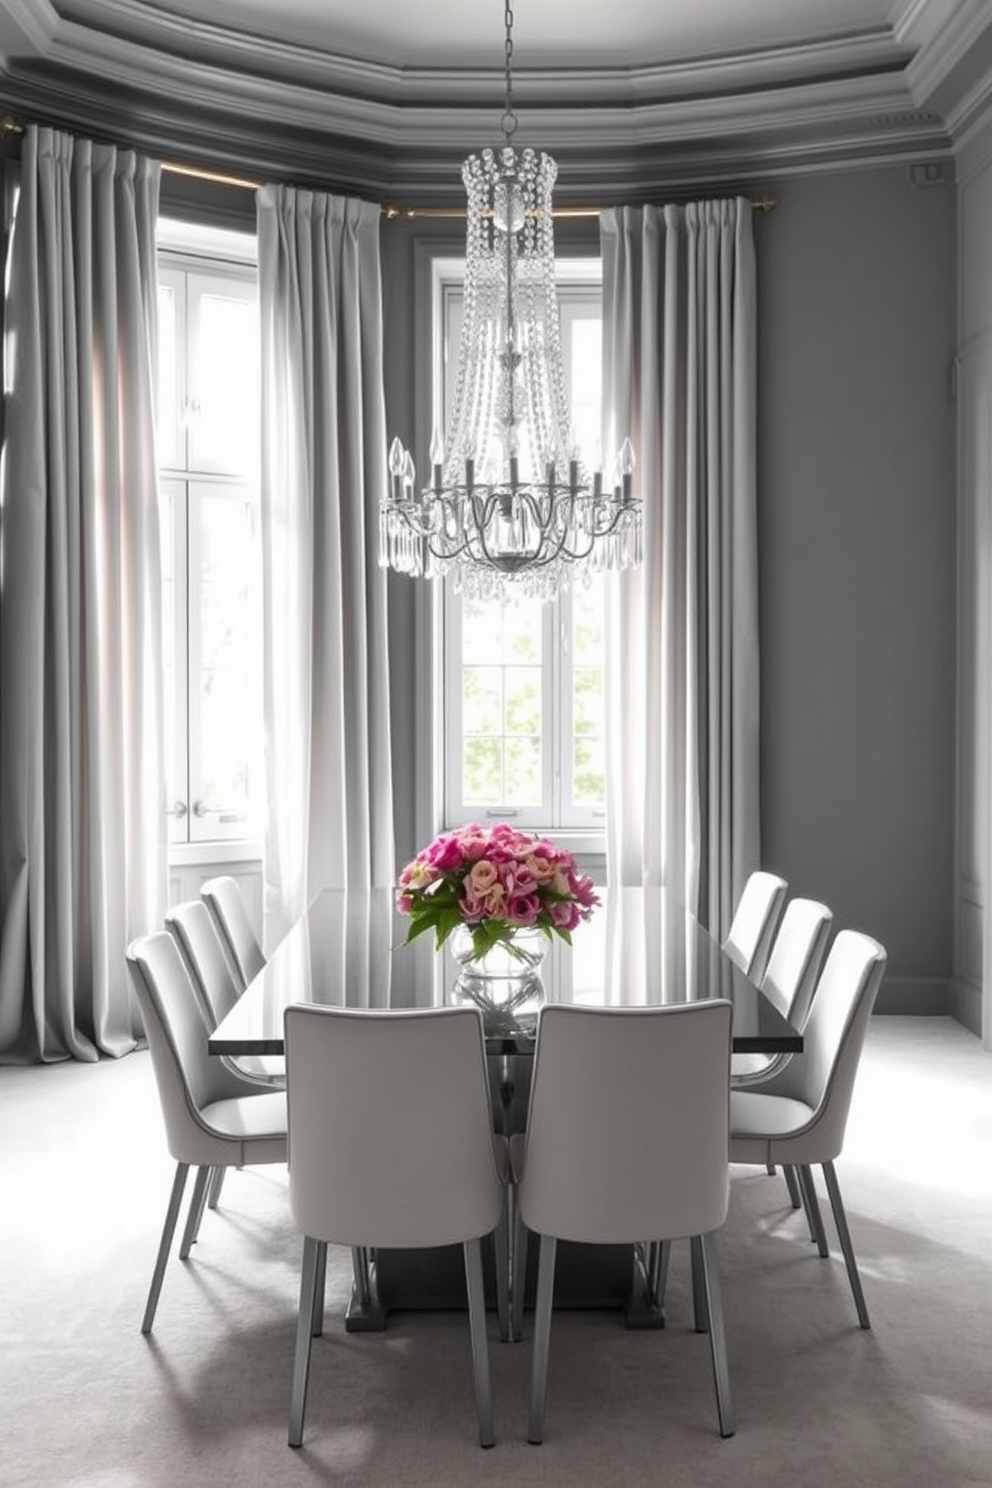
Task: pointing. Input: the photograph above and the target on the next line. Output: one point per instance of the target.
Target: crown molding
(27, 28)
(941, 35)
(279, 111)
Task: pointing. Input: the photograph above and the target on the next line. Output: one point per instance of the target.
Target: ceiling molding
(941, 34)
(281, 111)
(27, 28)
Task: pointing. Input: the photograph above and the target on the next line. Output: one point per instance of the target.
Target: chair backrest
(823, 1074)
(752, 930)
(627, 1127)
(187, 1076)
(225, 901)
(796, 958)
(390, 1126)
(197, 937)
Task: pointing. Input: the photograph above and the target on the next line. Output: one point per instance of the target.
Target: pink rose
(496, 902)
(539, 868)
(523, 909)
(482, 875)
(472, 909)
(565, 915)
(445, 854)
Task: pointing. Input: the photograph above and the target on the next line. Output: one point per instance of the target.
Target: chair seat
(251, 1118)
(757, 1120)
(269, 1067)
(748, 1065)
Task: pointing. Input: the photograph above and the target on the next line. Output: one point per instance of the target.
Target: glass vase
(507, 976)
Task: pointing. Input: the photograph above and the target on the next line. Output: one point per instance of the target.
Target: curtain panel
(82, 793)
(682, 631)
(325, 683)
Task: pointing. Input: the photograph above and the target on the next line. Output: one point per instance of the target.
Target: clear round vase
(507, 977)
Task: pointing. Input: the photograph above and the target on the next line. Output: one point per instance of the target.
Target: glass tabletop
(640, 948)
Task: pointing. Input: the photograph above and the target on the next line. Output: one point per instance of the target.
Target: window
(523, 693)
(208, 453)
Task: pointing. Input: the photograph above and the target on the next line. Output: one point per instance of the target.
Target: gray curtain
(82, 793)
(326, 688)
(682, 632)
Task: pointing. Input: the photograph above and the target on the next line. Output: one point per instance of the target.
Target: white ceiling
(425, 33)
(381, 96)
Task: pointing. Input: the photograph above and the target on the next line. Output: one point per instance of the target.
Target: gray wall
(856, 314)
(857, 544)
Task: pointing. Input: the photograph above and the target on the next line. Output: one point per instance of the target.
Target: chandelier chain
(509, 120)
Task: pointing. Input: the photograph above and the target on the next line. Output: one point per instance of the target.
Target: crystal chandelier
(510, 507)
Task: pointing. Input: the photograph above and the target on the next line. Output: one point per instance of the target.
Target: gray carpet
(87, 1402)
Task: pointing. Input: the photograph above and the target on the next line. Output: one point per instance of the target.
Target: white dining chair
(225, 901)
(789, 980)
(214, 1118)
(626, 1139)
(798, 1116)
(195, 932)
(391, 1145)
(752, 930)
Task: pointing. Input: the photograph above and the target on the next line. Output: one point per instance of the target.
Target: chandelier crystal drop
(510, 508)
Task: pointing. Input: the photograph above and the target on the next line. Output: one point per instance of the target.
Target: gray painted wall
(857, 542)
(856, 314)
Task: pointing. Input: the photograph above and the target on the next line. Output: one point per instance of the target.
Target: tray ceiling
(368, 95)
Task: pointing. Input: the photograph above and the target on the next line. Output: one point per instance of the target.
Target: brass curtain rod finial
(9, 125)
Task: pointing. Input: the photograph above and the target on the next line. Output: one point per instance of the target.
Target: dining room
(721, 616)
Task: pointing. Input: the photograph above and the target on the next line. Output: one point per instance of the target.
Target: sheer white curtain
(82, 792)
(682, 632)
(326, 690)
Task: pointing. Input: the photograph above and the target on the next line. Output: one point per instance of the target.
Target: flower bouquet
(494, 882)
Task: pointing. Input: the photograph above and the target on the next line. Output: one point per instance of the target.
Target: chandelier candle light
(510, 506)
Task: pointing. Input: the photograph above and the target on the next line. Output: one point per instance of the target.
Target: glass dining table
(639, 948)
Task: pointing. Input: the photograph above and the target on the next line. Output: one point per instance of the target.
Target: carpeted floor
(87, 1402)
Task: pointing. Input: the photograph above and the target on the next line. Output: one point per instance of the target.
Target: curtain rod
(390, 211)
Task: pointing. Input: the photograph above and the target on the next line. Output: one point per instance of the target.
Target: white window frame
(188, 254)
(583, 828)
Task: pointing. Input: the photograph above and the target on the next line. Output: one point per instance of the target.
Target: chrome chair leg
(658, 1256)
(480, 1346)
(542, 1338)
(164, 1245)
(197, 1204)
(710, 1268)
(519, 1275)
(795, 1198)
(699, 1299)
(840, 1220)
(817, 1232)
(317, 1320)
(216, 1184)
(304, 1325)
(501, 1261)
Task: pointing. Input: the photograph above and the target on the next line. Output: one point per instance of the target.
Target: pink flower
(495, 901)
(482, 875)
(565, 915)
(445, 854)
(472, 908)
(523, 909)
(539, 867)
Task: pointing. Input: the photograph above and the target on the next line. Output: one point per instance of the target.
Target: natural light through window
(524, 687)
(208, 420)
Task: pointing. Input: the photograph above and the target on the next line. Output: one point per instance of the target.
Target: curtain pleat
(682, 631)
(82, 791)
(326, 687)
